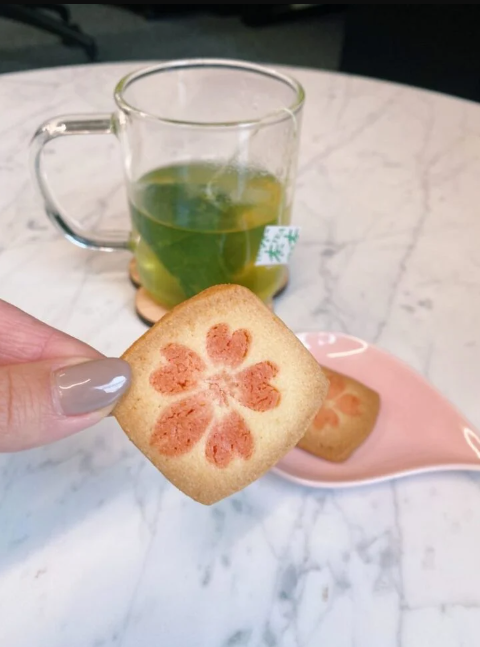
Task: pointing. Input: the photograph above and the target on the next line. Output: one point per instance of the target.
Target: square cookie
(344, 421)
(221, 390)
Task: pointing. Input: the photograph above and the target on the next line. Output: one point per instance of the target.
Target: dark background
(434, 46)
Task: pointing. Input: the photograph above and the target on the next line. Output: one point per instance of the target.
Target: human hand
(51, 385)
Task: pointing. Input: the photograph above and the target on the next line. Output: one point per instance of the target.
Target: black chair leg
(60, 9)
(69, 33)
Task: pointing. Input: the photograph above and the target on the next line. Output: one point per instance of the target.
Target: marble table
(98, 550)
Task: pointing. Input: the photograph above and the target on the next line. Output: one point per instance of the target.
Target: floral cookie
(221, 390)
(344, 421)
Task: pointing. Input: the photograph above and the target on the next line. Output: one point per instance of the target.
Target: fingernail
(90, 386)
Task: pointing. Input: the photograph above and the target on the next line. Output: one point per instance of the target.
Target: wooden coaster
(135, 277)
(133, 274)
(149, 311)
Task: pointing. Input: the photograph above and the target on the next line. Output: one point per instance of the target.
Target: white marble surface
(97, 550)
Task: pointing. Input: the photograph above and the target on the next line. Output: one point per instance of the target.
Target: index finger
(26, 339)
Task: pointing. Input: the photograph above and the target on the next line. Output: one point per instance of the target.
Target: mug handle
(62, 127)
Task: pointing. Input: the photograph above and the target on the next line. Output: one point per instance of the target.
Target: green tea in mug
(197, 221)
(196, 225)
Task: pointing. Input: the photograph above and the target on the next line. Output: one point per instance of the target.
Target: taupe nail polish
(90, 386)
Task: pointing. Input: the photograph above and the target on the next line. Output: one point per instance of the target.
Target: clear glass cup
(209, 154)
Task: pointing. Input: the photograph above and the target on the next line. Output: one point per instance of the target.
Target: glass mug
(209, 150)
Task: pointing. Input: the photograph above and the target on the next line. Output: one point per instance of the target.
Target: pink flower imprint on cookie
(211, 387)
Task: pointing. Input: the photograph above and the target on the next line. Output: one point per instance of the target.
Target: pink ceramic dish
(417, 429)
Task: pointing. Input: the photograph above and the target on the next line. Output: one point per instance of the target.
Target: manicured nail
(90, 386)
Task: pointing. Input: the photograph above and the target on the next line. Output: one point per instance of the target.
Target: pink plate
(417, 429)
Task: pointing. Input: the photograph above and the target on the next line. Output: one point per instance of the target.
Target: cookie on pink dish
(344, 421)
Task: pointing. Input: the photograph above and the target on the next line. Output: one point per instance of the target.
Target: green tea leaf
(195, 258)
(203, 226)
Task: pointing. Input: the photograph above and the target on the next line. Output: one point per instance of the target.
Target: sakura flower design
(337, 400)
(212, 387)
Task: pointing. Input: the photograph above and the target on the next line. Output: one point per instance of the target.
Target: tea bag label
(277, 245)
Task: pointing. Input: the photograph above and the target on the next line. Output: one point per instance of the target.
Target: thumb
(44, 401)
